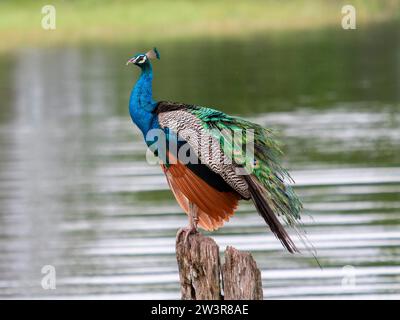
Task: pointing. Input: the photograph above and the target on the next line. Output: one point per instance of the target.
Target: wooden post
(241, 277)
(202, 277)
(199, 267)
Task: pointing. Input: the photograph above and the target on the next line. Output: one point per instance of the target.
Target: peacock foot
(187, 231)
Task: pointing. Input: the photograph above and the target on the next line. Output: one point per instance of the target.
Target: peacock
(220, 172)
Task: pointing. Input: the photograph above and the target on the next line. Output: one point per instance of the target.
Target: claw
(192, 228)
(178, 235)
(188, 230)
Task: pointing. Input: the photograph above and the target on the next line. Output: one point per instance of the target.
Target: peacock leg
(193, 220)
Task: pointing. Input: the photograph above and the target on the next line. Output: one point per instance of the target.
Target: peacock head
(142, 60)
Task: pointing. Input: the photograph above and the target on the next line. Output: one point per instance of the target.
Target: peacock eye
(142, 59)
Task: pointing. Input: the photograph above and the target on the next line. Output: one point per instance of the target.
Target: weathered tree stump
(240, 276)
(199, 267)
(202, 277)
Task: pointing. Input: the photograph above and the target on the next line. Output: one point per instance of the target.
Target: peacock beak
(131, 61)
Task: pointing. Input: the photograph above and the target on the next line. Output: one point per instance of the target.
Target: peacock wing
(263, 163)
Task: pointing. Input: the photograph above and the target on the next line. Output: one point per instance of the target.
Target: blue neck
(141, 103)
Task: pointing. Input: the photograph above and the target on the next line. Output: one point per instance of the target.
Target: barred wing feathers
(267, 169)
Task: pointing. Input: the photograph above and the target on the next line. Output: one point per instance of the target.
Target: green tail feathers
(262, 160)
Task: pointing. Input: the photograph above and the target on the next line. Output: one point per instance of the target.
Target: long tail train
(265, 211)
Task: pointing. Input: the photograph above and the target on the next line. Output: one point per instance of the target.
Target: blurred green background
(124, 21)
(77, 193)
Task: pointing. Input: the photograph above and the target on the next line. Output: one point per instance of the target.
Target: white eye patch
(141, 59)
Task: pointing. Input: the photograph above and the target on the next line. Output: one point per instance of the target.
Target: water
(77, 193)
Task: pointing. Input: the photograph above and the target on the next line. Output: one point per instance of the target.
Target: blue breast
(141, 104)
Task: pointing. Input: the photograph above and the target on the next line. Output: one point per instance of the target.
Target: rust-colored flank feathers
(214, 207)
